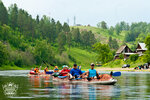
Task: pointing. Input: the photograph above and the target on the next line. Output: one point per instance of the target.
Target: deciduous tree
(104, 52)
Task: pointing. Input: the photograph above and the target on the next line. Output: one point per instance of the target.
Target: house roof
(121, 49)
(143, 46)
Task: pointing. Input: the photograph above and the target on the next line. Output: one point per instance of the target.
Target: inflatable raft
(102, 81)
(32, 73)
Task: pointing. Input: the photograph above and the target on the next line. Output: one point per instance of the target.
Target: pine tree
(3, 14)
(61, 42)
(76, 35)
(13, 14)
(66, 28)
(58, 28)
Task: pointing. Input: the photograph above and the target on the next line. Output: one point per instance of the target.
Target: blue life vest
(92, 73)
(74, 72)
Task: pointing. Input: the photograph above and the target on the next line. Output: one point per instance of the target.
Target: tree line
(137, 31)
(26, 41)
(134, 33)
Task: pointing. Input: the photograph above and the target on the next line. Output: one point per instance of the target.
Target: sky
(87, 11)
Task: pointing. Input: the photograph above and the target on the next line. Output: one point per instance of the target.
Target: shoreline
(121, 69)
(97, 68)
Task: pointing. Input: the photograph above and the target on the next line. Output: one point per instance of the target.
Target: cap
(92, 64)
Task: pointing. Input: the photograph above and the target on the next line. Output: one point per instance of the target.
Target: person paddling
(56, 69)
(92, 72)
(36, 70)
(46, 69)
(75, 72)
(65, 71)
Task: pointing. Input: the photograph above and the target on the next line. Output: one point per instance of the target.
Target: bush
(43, 52)
(146, 56)
(72, 58)
(20, 58)
(121, 56)
(3, 54)
(63, 58)
(134, 57)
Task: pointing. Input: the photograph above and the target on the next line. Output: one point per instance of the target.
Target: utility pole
(74, 20)
(68, 21)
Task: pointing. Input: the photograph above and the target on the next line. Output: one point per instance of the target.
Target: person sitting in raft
(46, 69)
(65, 71)
(56, 69)
(36, 70)
(75, 72)
(92, 72)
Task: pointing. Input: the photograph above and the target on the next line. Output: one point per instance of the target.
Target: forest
(27, 41)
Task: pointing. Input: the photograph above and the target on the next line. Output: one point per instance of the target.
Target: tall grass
(81, 57)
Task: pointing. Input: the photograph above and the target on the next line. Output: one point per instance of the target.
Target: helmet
(65, 66)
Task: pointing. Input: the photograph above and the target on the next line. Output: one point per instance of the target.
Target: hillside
(122, 32)
(28, 42)
(82, 57)
(101, 35)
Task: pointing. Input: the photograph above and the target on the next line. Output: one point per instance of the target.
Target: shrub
(3, 54)
(72, 58)
(121, 56)
(134, 57)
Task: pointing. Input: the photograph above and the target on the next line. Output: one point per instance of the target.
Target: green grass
(102, 35)
(82, 57)
(120, 62)
(8, 67)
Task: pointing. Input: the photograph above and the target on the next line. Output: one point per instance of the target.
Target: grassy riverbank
(120, 62)
(8, 67)
(84, 58)
(121, 69)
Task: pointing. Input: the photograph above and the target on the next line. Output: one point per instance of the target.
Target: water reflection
(87, 91)
(129, 86)
(44, 87)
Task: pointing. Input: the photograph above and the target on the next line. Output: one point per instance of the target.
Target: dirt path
(121, 69)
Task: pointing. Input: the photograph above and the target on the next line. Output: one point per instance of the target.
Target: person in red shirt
(65, 71)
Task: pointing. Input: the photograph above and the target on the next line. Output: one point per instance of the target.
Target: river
(17, 85)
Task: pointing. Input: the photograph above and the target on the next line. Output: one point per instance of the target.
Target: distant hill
(101, 35)
(134, 34)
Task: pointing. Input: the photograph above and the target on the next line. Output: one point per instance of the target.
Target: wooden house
(125, 50)
(141, 48)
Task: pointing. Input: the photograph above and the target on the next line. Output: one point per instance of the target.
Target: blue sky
(88, 11)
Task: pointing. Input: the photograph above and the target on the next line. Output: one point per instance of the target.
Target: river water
(16, 85)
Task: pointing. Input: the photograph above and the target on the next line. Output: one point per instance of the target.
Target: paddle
(50, 64)
(116, 74)
(62, 77)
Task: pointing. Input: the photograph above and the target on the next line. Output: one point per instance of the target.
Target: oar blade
(62, 77)
(116, 74)
(50, 72)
